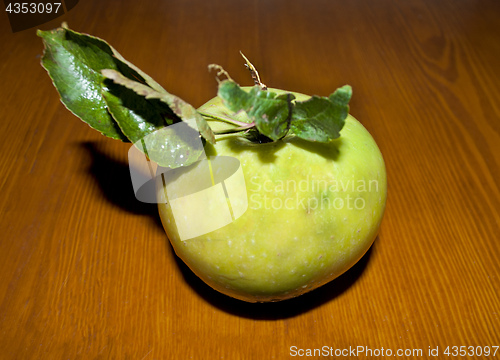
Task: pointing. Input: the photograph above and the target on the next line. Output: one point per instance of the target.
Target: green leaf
(179, 107)
(140, 111)
(74, 62)
(320, 118)
(79, 82)
(136, 116)
(126, 104)
(142, 121)
(145, 77)
(266, 109)
(316, 119)
(173, 146)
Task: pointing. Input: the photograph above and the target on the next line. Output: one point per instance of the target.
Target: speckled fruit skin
(279, 248)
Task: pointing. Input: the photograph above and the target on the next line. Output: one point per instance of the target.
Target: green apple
(314, 190)
(314, 209)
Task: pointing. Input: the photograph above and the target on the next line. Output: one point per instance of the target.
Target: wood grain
(87, 271)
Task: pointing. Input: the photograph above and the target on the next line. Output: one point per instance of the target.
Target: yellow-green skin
(279, 248)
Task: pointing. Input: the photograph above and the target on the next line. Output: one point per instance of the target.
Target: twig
(254, 73)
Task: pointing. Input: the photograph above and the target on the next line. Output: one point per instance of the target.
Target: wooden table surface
(87, 271)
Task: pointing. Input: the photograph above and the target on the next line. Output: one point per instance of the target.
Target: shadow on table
(282, 309)
(113, 178)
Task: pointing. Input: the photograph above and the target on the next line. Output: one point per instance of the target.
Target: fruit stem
(235, 130)
(226, 120)
(289, 117)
